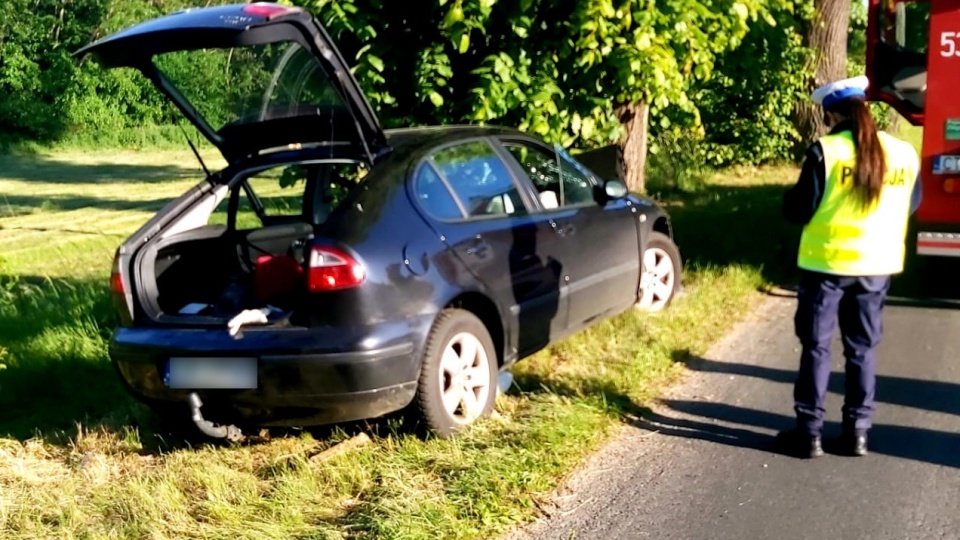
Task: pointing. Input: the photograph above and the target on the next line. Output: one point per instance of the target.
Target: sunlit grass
(64, 214)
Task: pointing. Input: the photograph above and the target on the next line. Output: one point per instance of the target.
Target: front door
(599, 245)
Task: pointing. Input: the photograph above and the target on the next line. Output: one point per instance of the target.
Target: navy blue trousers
(857, 304)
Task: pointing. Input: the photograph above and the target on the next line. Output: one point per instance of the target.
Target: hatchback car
(336, 271)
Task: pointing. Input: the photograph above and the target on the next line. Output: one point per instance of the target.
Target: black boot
(797, 443)
(853, 442)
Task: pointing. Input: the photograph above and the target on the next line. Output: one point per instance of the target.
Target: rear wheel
(659, 273)
(458, 376)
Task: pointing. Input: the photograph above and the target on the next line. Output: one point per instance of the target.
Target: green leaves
(557, 68)
(748, 102)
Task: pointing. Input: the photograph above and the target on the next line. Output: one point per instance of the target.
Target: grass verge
(79, 459)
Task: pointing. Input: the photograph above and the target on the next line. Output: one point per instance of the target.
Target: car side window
(276, 192)
(577, 183)
(279, 190)
(480, 179)
(434, 196)
(543, 170)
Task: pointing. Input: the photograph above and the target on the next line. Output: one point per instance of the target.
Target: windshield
(234, 87)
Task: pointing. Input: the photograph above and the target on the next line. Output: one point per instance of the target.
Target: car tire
(660, 269)
(459, 360)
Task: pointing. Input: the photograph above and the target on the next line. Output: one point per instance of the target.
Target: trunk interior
(209, 272)
(242, 247)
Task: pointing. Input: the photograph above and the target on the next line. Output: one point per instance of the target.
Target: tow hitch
(231, 433)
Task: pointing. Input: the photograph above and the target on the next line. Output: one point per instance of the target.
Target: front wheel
(660, 268)
(458, 376)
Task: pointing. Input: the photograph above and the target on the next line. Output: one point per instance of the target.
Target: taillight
(332, 269)
(116, 283)
(120, 292)
(268, 11)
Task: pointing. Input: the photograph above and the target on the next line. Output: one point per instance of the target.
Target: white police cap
(836, 91)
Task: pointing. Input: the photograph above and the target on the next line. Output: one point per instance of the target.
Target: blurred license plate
(212, 373)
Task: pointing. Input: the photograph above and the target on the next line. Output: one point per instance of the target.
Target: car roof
(436, 135)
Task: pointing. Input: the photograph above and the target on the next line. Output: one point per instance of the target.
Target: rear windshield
(245, 85)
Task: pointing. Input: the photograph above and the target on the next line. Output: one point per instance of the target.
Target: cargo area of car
(213, 273)
(240, 248)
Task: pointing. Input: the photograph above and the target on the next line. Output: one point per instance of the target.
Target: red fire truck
(913, 63)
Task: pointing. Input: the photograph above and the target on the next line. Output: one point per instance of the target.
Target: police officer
(857, 188)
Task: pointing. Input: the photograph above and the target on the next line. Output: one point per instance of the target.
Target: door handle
(478, 248)
(567, 229)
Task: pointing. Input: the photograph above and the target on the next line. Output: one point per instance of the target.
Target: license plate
(212, 373)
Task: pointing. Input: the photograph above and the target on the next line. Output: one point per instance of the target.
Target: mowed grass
(80, 459)
(64, 214)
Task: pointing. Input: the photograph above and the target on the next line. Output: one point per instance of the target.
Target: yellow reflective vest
(845, 239)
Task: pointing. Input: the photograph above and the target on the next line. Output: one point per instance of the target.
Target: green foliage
(677, 163)
(555, 68)
(747, 106)
(36, 71)
(48, 96)
(857, 33)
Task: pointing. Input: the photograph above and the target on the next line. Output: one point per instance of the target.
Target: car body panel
(606, 261)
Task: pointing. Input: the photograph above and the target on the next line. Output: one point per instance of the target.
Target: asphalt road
(701, 466)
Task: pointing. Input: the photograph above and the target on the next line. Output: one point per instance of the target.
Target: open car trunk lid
(251, 77)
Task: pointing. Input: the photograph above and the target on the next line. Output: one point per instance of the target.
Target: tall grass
(54, 335)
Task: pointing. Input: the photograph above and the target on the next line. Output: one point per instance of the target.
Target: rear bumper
(304, 376)
(939, 244)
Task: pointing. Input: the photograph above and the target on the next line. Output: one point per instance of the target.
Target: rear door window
(434, 196)
(543, 170)
(480, 179)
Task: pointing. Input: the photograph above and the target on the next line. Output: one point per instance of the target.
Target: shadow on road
(917, 444)
(933, 396)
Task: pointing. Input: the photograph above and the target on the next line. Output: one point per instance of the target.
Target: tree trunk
(826, 35)
(635, 118)
(893, 121)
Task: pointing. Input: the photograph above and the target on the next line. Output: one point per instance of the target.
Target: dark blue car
(336, 271)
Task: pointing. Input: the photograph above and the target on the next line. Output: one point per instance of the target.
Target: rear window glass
(434, 196)
(244, 85)
(481, 180)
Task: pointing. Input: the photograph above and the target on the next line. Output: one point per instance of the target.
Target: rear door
(897, 45)
(485, 216)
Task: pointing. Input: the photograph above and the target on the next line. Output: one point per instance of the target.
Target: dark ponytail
(871, 162)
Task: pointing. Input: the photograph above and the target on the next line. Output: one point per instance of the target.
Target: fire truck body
(913, 63)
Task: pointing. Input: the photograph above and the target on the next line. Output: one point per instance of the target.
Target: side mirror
(611, 190)
(615, 189)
